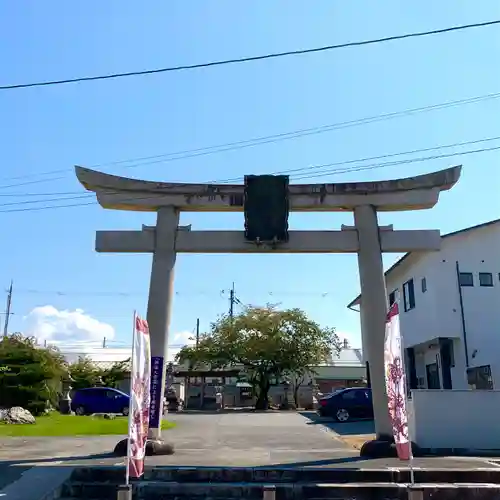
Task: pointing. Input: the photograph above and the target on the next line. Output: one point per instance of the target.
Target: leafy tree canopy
(86, 374)
(30, 376)
(118, 371)
(269, 343)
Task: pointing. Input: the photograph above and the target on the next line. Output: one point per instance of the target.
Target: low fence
(449, 419)
(233, 396)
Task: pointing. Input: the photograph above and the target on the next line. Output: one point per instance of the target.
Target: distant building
(343, 370)
(101, 357)
(450, 310)
(347, 369)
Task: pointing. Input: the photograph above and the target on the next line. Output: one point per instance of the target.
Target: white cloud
(114, 354)
(47, 323)
(177, 341)
(78, 333)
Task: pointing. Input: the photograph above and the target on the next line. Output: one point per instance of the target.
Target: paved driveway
(253, 439)
(245, 439)
(18, 455)
(354, 428)
(226, 439)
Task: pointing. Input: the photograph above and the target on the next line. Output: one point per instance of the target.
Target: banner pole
(127, 468)
(412, 474)
(403, 364)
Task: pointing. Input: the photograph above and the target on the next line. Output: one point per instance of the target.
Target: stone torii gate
(366, 238)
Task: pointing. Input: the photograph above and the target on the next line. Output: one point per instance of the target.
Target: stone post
(159, 310)
(374, 305)
(285, 405)
(65, 399)
(169, 382)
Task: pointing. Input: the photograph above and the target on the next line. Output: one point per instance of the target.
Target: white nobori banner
(140, 381)
(395, 382)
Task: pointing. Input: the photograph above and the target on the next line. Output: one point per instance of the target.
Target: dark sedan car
(347, 404)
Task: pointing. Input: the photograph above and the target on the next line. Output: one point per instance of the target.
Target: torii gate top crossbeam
(412, 193)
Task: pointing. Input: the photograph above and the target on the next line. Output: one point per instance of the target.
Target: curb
(38, 483)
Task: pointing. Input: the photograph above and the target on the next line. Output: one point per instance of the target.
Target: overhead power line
(251, 58)
(45, 200)
(296, 174)
(28, 195)
(169, 157)
(315, 168)
(214, 292)
(50, 207)
(95, 344)
(375, 166)
(31, 182)
(256, 141)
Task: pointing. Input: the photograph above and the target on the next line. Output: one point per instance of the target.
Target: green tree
(86, 374)
(30, 376)
(268, 343)
(297, 379)
(116, 373)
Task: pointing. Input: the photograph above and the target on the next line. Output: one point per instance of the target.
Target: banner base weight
(384, 448)
(154, 447)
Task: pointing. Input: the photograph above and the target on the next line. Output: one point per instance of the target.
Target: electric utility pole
(7, 311)
(197, 331)
(232, 300)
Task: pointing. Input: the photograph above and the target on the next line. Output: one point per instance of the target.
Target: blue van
(100, 400)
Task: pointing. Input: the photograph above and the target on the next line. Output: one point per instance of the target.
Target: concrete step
(276, 475)
(162, 490)
(91, 490)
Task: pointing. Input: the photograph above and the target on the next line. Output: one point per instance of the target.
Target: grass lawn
(70, 425)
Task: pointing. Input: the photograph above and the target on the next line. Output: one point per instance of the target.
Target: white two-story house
(450, 310)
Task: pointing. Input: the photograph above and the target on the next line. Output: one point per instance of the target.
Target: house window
(485, 279)
(466, 279)
(393, 296)
(432, 372)
(409, 295)
(424, 285)
(480, 378)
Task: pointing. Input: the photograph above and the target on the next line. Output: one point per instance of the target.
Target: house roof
(102, 357)
(407, 255)
(347, 357)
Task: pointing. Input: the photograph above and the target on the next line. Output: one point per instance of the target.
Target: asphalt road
(352, 428)
(239, 439)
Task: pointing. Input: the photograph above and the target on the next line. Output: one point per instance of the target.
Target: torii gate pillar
(372, 283)
(161, 289)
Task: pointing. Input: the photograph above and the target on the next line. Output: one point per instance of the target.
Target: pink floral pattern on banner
(395, 381)
(139, 398)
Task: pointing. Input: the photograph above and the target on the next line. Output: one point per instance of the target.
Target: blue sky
(96, 123)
